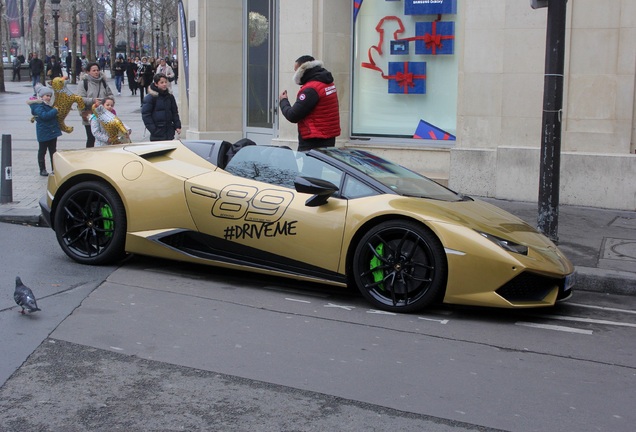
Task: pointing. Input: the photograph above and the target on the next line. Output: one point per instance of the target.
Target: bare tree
(74, 58)
(113, 32)
(42, 53)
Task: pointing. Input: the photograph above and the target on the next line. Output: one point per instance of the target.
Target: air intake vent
(528, 287)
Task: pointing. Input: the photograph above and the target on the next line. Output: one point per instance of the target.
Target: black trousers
(141, 93)
(90, 138)
(51, 146)
(304, 145)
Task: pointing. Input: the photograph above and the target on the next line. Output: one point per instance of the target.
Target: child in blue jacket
(47, 127)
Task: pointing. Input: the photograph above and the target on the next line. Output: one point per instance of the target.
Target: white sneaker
(118, 94)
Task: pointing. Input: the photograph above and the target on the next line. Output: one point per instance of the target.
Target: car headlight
(506, 244)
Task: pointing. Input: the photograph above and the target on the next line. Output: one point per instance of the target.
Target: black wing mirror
(320, 189)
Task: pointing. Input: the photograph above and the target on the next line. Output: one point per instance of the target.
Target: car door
(250, 222)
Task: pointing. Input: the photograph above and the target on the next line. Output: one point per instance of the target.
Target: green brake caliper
(376, 263)
(107, 214)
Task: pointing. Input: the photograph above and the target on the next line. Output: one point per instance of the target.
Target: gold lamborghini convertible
(334, 216)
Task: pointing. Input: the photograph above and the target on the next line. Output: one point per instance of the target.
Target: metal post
(6, 183)
(56, 16)
(549, 174)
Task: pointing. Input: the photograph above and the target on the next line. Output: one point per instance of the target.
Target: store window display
(405, 70)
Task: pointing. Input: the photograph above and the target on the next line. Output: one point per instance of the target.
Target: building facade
(456, 94)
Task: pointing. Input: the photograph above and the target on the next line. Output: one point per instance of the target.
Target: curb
(605, 281)
(24, 217)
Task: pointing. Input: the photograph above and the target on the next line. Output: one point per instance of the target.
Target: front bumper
(46, 210)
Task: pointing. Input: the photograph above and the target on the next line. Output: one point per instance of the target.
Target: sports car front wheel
(400, 266)
(90, 223)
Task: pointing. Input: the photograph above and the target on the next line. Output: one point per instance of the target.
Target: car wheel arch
(90, 223)
(368, 225)
(82, 178)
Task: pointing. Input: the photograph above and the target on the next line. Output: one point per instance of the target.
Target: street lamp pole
(134, 26)
(55, 6)
(157, 31)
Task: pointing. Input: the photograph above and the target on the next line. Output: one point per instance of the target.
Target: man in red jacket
(316, 108)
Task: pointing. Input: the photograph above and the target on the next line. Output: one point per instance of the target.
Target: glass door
(260, 74)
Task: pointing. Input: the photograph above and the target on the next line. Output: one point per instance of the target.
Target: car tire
(90, 223)
(400, 266)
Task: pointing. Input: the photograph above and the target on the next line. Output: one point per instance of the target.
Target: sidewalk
(600, 243)
(27, 185)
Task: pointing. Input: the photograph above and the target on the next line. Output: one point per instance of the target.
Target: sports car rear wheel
(400, 266)
(90, 223)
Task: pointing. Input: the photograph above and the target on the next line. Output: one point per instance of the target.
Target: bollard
(6, 183)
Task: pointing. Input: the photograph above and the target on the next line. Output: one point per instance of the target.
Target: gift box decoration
(435, 38)
(425, 130)
(407, 77)
(430, 7)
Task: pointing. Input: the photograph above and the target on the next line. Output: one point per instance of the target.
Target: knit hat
(44, 91)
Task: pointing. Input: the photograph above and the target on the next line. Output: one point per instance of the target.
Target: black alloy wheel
(90, 223)
(400, 266)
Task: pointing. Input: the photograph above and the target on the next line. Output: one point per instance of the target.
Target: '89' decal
(260, 209)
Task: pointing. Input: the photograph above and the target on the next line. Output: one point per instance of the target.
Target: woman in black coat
(145, 74)
(54, 69)
(131, 74)
(159, 110)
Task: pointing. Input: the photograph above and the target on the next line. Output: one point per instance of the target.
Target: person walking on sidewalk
(175, 69)
(69, 65)
(36, 67)
(120, 68)
(93, 89)
(54, 68)
(16, 68)
(165, 69)
(145, 73)
(47, 128)
(159, 111)
(131, 74)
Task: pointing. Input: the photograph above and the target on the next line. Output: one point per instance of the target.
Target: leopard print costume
(64, 99)
(115, 129)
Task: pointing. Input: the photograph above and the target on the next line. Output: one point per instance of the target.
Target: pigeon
(24, 297)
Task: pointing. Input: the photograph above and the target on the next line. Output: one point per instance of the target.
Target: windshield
(399, 179)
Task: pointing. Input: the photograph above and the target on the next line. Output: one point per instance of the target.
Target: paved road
(166, 346)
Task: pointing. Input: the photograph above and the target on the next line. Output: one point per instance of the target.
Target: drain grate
(619, 249)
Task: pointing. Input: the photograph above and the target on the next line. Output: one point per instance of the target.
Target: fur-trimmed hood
(312, 71)
(154, 91)
(35, 100)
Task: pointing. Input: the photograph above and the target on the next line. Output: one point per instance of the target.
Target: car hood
(476, 215)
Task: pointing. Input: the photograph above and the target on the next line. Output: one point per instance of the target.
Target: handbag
(86, 114)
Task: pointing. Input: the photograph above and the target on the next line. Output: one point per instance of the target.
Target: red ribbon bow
(432, 39)
(404, 79)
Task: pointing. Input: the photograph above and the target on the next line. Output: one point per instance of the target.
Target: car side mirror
(320, 189)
